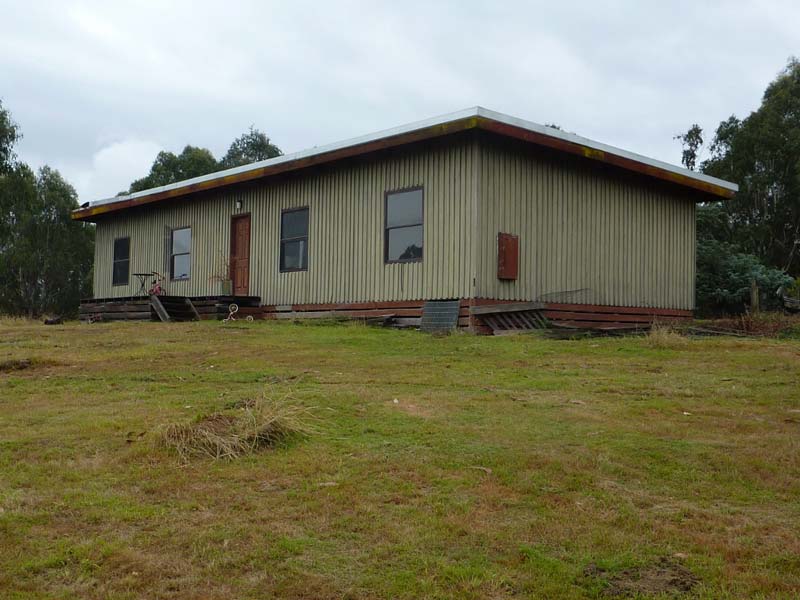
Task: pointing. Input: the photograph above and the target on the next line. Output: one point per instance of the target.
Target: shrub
(724, 277)
(793, 289)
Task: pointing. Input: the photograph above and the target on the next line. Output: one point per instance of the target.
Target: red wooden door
(240, 255)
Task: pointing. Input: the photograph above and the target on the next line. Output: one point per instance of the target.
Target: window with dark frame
(404, 234)
(122, 262)
(294, 240)
(180, 253)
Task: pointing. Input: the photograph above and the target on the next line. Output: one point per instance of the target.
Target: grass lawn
(448, 467)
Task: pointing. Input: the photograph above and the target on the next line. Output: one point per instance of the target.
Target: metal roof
(471, 118)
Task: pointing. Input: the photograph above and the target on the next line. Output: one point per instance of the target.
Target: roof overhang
(472, 118)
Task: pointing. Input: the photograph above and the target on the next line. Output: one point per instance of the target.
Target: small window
(180, 261)
(403, 240)
(294, 240)
(122, 262)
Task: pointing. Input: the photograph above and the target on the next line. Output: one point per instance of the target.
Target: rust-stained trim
(475, 118)
(88, 213)
(606, 157)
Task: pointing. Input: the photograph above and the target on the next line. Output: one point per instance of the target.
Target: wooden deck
(139, 308)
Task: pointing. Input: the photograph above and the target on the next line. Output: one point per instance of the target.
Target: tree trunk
(754, 296)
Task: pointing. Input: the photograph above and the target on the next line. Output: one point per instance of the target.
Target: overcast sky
(99, 88)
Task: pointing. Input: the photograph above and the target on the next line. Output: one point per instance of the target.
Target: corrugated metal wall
(618, 240)
(346, 219)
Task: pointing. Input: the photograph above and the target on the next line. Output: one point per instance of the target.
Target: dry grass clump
(664, 337)
(252, 425)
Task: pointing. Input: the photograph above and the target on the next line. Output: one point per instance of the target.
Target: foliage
(691, 141)
(762, 154)
(724, 272)
(713, 222)
(168, 167)
(249, 147)
(45, 256)
(724, 277)
(756, 234)
(9, 135)
(793, 289)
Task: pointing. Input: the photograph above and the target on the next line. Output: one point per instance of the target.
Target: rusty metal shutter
(507, 256)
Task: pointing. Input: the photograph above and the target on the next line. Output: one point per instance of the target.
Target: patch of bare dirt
(11, 365)
(15, 364)
(414, 410)
(665, 576)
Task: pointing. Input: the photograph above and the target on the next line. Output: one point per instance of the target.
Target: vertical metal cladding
(346, 220)
(586, 235)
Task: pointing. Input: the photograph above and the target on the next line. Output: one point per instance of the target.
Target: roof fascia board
(430, 128)
(573, 143)
(476, 117)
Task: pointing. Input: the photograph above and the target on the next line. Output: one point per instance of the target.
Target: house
(473, 206)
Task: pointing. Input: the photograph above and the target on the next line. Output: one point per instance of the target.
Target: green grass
(505, 468)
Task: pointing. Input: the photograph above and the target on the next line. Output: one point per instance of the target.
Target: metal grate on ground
(440, 316)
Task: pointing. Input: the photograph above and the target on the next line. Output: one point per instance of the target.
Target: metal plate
(440, 315)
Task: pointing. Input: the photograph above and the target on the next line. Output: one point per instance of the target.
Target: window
(294, 240)
(403, 240)
(180, 254)
(122, 262)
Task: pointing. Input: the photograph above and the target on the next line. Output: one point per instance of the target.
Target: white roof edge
(577, 139)
(476, 111)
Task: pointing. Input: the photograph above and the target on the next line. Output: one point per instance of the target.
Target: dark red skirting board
(408, 312)
(570, 315)
(592, 316)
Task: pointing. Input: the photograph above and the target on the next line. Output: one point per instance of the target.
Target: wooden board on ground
(488, 309)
